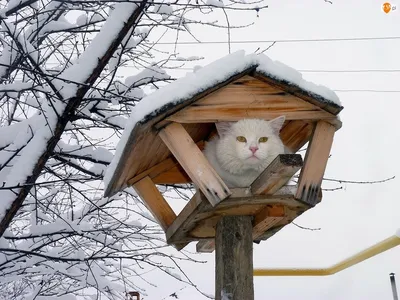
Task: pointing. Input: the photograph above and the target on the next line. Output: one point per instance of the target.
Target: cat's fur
(233, 160)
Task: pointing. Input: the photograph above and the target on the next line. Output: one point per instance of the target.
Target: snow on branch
(71, 74)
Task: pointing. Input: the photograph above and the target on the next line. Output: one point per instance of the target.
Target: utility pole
(394, 289)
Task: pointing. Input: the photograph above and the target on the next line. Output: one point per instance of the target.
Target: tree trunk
(234, 259)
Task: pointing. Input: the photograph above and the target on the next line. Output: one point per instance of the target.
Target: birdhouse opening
(165, 147)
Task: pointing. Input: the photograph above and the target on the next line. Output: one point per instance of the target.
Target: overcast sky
(364, 149)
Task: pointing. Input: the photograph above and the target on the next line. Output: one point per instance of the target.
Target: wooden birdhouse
(163, 140)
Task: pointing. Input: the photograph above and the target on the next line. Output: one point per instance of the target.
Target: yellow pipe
(378, 248)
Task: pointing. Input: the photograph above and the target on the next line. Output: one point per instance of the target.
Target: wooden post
(309, 184)
(193, 161)
(234, 259)
(155, 202)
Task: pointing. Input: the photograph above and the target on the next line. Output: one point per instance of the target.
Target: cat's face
(251, 141)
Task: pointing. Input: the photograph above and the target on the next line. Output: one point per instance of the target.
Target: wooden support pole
(155, 202)
(194, 163)
(234, 259)
(309, 185)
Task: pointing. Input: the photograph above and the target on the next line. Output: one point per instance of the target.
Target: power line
(300, 70)
(352, 71)
(367, 91)
(286, 40)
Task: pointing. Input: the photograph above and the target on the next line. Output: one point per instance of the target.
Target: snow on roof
(207, 77)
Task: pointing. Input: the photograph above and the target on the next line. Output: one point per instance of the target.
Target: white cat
(244, 149)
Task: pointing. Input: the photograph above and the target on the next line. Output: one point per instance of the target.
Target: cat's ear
(223, 128)
(277, 123)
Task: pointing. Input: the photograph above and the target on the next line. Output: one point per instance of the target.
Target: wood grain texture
(194, 163)
(155, 202)
(316, 159)
(247, 94)
(234, 259)
(267, 218)
(219, 113)
(198, 218)
(298, 93)
(277, 174)
(206, 246)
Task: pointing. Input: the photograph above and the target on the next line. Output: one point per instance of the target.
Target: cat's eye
(263, 139)
(241, 139)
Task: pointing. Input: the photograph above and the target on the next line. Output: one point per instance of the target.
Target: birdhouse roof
(194, 86)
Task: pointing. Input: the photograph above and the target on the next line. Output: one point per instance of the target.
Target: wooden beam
(158, 169)
(266, 219)
(290, 215)
(198, 217)
(166, 172)
(185, 220)
(277, 174)
(194, 163)
(295, 134)
(220, 113)
(270, 181)
(155, 202)
(176, 175)
(234, 259)
(309, 184)
(205, 246)
(298, 92)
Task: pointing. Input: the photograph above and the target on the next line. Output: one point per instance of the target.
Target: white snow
(81, 20)
(204, 78)
(11, 5)
(85, 64)
(32, 134)
(163, 9)
(215, 3)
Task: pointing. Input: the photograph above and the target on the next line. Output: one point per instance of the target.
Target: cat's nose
(253, 149)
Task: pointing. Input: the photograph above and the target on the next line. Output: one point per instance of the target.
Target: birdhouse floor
(198, 219)
(271, 203)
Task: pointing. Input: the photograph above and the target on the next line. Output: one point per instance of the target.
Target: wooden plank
(154, 171)
(221, 113)
(184, 221)
(205, 246)
(234, 259)
(277, 174)
(328, 106)
(290, 215)
(167, 171)
(155, 202)
(248, 91)
(194, 163)
(176, 175)
(199, 222)
(266, 219)
(295, 134)
(309, 184)
(205, 227)
(198, 217)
